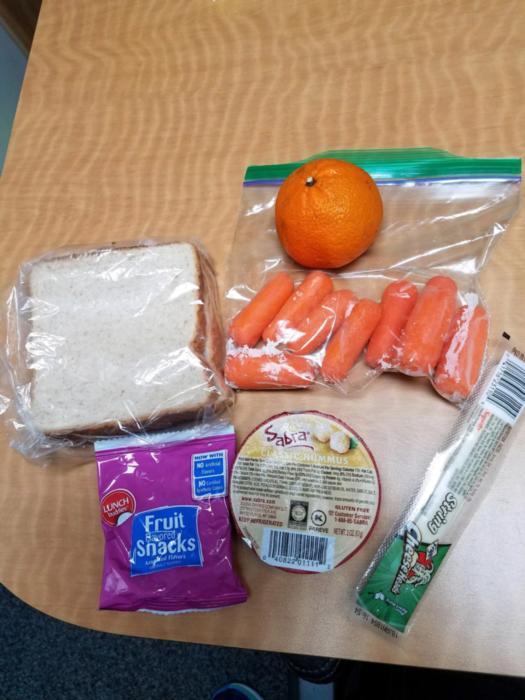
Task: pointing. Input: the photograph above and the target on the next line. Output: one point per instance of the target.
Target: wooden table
(139, 117)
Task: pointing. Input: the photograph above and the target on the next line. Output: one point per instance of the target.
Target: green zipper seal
(400, 164)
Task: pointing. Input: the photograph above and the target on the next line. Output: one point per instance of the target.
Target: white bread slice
(118, 340)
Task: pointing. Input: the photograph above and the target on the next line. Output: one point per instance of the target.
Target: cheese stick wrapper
(408, 560)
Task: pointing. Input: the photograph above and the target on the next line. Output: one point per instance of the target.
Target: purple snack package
(166, 522)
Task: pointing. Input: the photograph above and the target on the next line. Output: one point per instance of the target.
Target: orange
(327, 213)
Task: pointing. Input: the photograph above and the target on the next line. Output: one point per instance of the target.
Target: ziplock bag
(165, 520)
(117, 339)
(459, 473)
(442, 215)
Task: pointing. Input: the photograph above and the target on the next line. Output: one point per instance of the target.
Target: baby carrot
(306, 297)
(460, 362)
(397, 303)
(268, 371)
(247, 327)
(427, 327)
(352, 336)
(323, 321)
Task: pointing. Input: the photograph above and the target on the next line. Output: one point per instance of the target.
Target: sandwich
(121, 339)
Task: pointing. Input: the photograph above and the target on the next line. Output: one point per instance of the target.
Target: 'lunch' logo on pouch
(288, 438)
(117, 506)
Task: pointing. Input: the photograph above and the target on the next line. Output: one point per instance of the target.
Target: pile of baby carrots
(316, 330)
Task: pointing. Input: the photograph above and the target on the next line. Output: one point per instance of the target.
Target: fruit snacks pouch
(165, 520)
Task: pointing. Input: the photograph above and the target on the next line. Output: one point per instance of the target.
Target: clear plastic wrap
(111, 340)
(442, 215)
(460, 472)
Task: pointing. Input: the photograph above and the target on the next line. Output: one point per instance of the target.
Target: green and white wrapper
(459, 474)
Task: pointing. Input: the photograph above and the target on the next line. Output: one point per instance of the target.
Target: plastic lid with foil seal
(305, 491)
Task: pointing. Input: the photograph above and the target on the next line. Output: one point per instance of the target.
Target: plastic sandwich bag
(442, 215)
(117, 339)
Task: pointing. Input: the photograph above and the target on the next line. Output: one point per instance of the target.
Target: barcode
(505, 395)
(297, 550)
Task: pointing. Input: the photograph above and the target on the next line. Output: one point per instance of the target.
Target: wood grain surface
(138, 117)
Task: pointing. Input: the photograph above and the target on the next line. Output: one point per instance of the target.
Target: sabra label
(117, 506)
(163, 538)
(305, 491)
